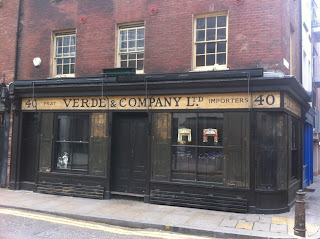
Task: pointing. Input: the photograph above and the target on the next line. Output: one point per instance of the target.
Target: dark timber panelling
(161, 146)
(236, 149)
(46, 142)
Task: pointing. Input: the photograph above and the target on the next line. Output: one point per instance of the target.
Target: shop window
(210, 42)
(131, 46)
(72, 142)
(64, 54)
(197, 147)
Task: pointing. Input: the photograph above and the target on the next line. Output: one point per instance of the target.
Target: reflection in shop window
(72, 142)
(197, 147)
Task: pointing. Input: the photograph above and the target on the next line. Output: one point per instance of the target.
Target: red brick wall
(258, 33)
(8, 33)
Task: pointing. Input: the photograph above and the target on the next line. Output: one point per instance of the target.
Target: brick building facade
(180, 113)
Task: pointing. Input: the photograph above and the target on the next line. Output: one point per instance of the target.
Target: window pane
(140, 65)
(210, 165)
(132, 34)
(183, 163)
(123, 45)
(123, 56)
(222, 21)
(59, 51)
(221, 47)
(184, 128)
(63, 160)
(211, 47)
(221, 34)
(200, 48)
(59, 69)
(72, 69)
(72, 49)
(123, 35)
(80, 159)
(200, 23)
(73, 60)
(140, 33)
(66, 51)
(132, 64)
(221, 59)
(66, 60)
(73, 40)
(80, 128)
(140, 55)
(132, 45)
(66, 69)
(64, 128)
(123, 64)
(201, 35)
(200, 60)
(210, 129)
(59, 41)
(210, 60)
(211, 22)
(66, 41)
(59, 61)
(211, 35)
(132, 56)
(140, 43)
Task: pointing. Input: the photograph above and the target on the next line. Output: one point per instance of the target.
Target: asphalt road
(19, 224)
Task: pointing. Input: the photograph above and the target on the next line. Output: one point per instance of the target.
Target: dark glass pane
(210, 61)
(201, 23)
(211, 35)
(210, 165)
(211, 47)
(132, 34)
(59, 61)
(140, 55)
(140, 33)
(200, 48)
(221, 59)
(140, 43)
(63, 160)
(132, 45)
(221, 47)
(73, 49)
(73, 40)
(72, 69)
(200, 60)
(183, 163)
(73, 60)
(211, 22)
(222, 34)
(132, 56)
(123, 56)
(80, 126)
(123, 36)
(64, 128)
(59, 51)
(66, 51)
(66, 60)
(132, 64)
(123, 45)
(80, 157)
(201, 35)
(59, 41)
(140, 65)
(210, 129)
(222, 21)
(184, 128)
(59, 69)
(66, 69)
(66, 41)
(123, 64)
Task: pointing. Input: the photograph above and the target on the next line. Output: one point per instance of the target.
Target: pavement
(137, 214)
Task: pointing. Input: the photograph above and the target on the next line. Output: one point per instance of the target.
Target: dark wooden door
(29, 144)
(130, 154)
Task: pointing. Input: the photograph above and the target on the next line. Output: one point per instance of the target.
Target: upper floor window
(131, 47)
(64, 54)
(211, 37)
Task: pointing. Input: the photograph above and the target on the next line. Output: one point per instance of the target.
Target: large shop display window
(197, 147)
(72, 142)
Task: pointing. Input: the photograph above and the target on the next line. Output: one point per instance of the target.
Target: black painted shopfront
(227, 141)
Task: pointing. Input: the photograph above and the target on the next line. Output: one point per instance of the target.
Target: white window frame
(56, 35)
(123, 27)
(194, 54)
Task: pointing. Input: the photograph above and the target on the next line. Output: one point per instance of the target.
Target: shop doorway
(29, 144)
(130, 153)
